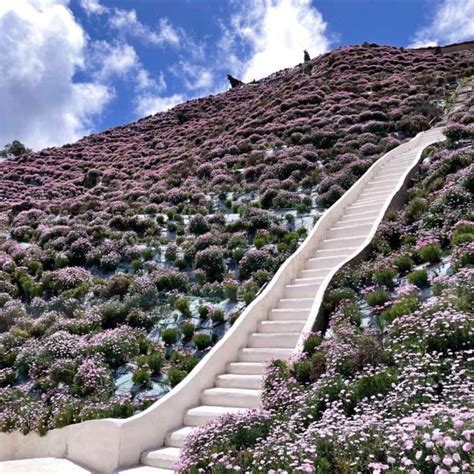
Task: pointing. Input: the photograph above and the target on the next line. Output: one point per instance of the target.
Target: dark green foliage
(202, 341)
(169, 335)
(418, 278)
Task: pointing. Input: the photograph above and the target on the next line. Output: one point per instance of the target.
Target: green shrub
(415, 209)
(155, 361)
(302, 371)
(377, 298)
(187, 329)
(182, 361)
(311, 343)
(418, 278)
(352, 312)
(384, 276)
(249, 292)
(182, 305)
(335, 296)
(407, 305)
(202, 341)
(370, 385)
(217, 316)
(142, 377)
(430, 253)
(403, 263)
(175, 376)
(259, 242)
(169, 335)
(237, 254)
(231, 291)
(113, 313)
(203, 311)
(463, 233)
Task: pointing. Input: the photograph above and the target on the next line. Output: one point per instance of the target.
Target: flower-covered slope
(126, 255)
(390, 386)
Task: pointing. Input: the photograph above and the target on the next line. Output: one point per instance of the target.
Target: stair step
(334, 252)
(355, 208)
(232, 397)
(354, 220)
(197, 416)
(275, 340)
(163, 457)
(295, 303)
(341, 232)
(258, 354)
(316, 262)
(245, 368)
(359, 216)
(271, 327)
(301, 290)
(290, 314)
(339, 242)
(252, 382)
(176, 438)
(309, 279)
(379, 182)
(360, 201)
(316, 272)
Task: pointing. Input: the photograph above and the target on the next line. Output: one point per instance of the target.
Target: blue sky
(79, 66)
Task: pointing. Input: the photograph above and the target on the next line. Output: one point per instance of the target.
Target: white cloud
(193, 75)
(453, 22)
(127, 22)
(151, 104)
(93, 7)
(41, 49)
(277, 32)
(113, 59)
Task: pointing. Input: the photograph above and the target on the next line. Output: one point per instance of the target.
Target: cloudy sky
(72, 67)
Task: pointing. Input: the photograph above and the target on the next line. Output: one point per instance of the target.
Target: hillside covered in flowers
(389, 386)
(125, 256)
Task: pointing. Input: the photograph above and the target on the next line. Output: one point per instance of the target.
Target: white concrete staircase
(229, 377)
(277, 336)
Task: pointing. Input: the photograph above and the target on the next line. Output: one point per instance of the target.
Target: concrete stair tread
(175, 438)
(162, 457)
(284, 340)
(278, 327)
(253, 381)
(245, 368)
(263, 354)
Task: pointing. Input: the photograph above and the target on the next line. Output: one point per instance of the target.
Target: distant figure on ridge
(234, 82)
(307, 68)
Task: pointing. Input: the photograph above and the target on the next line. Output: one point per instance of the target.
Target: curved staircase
(229, 378)
(278, 335)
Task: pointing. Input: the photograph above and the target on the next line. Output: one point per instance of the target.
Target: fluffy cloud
(277, 32)
(41, 49)
(127, 22)
(108, 60)
(193, 75)
(151, 104)
(93, 7)
(453, 22)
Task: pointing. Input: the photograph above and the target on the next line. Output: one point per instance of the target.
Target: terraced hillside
(126, 255)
